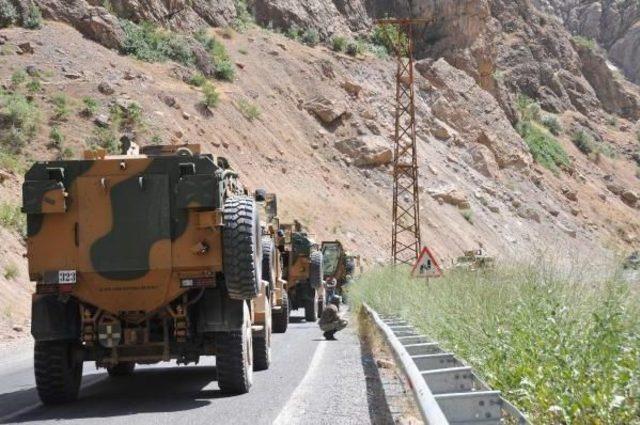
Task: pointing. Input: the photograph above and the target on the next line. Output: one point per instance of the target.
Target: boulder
(451, 196)
(482, 160)
(366, 151)
(528, 213)
(105, 88)
(325, 109)
(629, 197)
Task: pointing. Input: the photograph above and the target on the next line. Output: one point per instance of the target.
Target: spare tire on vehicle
(269, 260)
(242, 248)
(315, 269)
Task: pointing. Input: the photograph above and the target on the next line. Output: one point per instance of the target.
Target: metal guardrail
(445, 389)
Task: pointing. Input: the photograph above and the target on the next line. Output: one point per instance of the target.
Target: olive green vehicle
(141, 258)
(474, 260)
(302, 267)
(338, 265)
(272, 270)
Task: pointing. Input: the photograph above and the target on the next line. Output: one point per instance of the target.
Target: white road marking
(303, 391)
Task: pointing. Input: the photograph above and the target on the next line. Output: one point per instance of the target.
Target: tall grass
(563, 350)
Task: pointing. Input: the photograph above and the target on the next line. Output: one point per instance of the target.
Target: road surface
(310, 381)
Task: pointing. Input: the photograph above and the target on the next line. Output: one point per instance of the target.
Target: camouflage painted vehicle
(302, 263)
(338, 265)
(474, 260)
(272, 260)
(141, 258)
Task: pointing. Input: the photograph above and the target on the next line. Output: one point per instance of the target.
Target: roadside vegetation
(12, 218)
(562, 349)
(151, 43)
(538, 134)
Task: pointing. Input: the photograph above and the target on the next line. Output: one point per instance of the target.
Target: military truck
(272, 260)
(302, 266)
(338, 264)
(141, 258)
(475, 259)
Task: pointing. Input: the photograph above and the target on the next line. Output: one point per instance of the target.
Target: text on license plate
(66, 276)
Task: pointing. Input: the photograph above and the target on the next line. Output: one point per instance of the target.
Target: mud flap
(54, 319)
(217, 313)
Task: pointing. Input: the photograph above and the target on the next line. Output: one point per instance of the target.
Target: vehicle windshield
(330, 258)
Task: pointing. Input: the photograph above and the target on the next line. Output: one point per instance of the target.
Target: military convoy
(159, 254)
(339, 266)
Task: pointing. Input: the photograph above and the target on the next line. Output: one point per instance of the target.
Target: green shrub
(552, 124)
(56, 137)
(583, 142)
(528, 109)
(33, 20)
(225, 70)
(242, 51)
(11, 162)
(21, 119)
(545, 149)
(244, 18)
(564, 348)
(211, 96)
(66, 153)
(293, 32)
(34, 86)
(250, 110)
(126, 117)
(391, 38)
(91, 106)
(104, 138)
(588, 43)
(18, 77)
(12, 218)
(310, 37)
(378, 51)
(355, 48)
(8, 14)
(10, 271)
(61, 106)
(338, 44)
(156, 139)
(197, 79)
(612, 120)
(467, 215)
(150, 43)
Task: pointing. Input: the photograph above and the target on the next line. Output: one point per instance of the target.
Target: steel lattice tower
(405, 238)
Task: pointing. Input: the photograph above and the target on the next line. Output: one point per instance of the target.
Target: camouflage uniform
(331, 322)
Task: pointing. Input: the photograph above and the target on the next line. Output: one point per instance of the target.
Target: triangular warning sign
(426, 266)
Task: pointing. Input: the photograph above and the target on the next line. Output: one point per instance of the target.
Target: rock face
(326, 17)
(615, 25)
(463, 105)
(614, 93)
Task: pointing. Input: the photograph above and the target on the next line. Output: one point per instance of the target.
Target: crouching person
(331, 322)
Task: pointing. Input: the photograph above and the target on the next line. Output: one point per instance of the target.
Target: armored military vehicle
(272, 260)
(140, 258)
(302, 264)
(475, 259)
(338, 265)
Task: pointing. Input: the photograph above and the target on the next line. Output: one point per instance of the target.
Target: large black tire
(310, 310)
(58, 370)
(242, 252)
(281, 317)
(315, 269)
(234, 358)
(121, 369)
(269, 260)
(262, 345)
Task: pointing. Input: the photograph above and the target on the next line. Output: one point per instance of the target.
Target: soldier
(331, 322)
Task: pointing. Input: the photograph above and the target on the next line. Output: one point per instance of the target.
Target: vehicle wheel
(311, 310)
(234, 359)
(315, 269)
(242, 252)
(58, 370)
(281, 317)
(262, 345)
(268, 260)
(121, 369)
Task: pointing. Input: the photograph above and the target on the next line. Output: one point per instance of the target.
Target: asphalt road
(310, 381)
